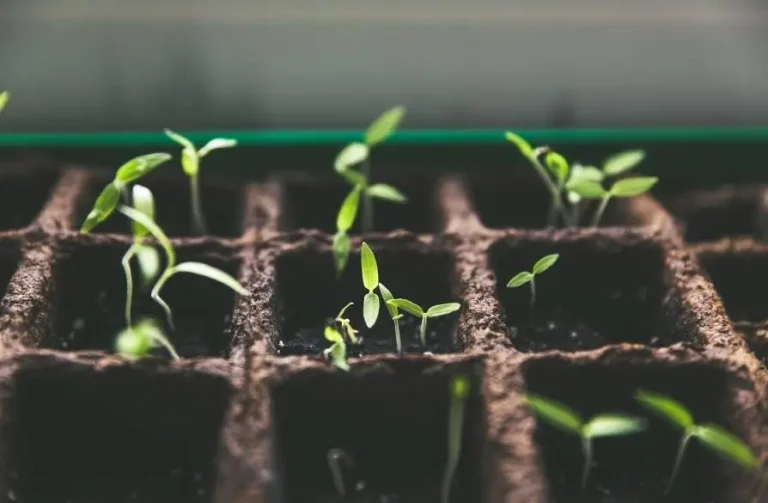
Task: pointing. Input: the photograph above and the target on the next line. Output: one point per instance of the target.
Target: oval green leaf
(555, 413)
(148, 259)
(4, 97)
(443, 309)
(352, 154)
(181, 140)
(581, 173)
(386, 296)
(104, 206)
(408, 306)
(520, 279)
(610, 425)
(630, 187)
(370, 309)
(340, 251)
(557, 165)
(587, 189)
(338, 356)
(216, 144)
(333, 335)
(348, 211)
(143, 201)
(190, 163)
(622, 162)
(545, 263)
(210, 272)
(133, 343)
(140, 166)
(665, 407)
(522, 145)
(384, 125)
(369, 267)
(460, 387)
(727, 445)
(386, 192)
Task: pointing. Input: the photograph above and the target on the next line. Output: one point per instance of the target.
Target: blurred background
(114, 65)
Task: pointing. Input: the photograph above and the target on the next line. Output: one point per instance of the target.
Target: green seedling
(172, 268)
(712, 436)
(147, 256)
(344, 221)
(603, 425)
(336, 458)
(433, 312)
(191, 158)
(626, 187)
(346, 325)
(337, 353)
(459, 391)
(137, 341)
(370, 282)
(4, 97)
(359, 153)
(526, 277)
(394, 313)
(109, 198)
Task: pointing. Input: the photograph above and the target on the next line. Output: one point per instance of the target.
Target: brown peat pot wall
(250, 412)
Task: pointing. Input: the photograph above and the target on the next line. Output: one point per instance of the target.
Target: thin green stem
(398, 341)
(576, 214)
(555, 193)
(159, 300)
(600, 210)
(678, 461)
(455, 427)
(167, 345)
(367, 199)
(198, 216)
(533, 298)
(586, 445)
(423, 330)
(126, 263)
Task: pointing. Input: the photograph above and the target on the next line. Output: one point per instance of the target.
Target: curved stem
(586, 445)
(163, 341)
(554, 192)
(423, 330)
(159, 300)
(398, 341)
(455, 426)
(126, 263)
(678, 461)
(198, 216)
(600, 210)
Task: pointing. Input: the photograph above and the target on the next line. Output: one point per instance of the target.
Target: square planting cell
(392, 425)
(117, 435)
(313, 203)
(740, 278)
(309, 295)
(22, 197)
(599, 292)
(222, 205)
(90, 301)
(636, 468)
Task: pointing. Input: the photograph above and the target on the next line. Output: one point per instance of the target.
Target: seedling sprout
(337, 353)
(394, 313)
(626, 187)
(603, 425)
(190, 164)
(4, 97)
(370, 282)
(712, 436)
(137, 341)
(459, 391)
(433, 312)
(344, 221)
(346, 325)
(526, 277)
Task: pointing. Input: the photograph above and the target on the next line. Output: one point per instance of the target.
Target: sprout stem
(586, 445)
(423, 330)
(398, 341)
(334, 458)
(455, 427)
(155, 294)
(198, 217)
(167, 345)
(126, 263)
(600, 210)
(367, 199)
(678, 461)
(554, 192)
(533, 298)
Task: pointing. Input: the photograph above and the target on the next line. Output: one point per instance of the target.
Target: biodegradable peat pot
(250, 412)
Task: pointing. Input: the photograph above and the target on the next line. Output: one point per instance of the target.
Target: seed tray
(250, 411)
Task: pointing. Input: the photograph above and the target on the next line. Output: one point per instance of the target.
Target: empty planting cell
(635, 468)
(599, 292)
(22, 196)
(222, 205)
(314, 203)
(393, 426)
(739, 278)
(91, 293)
(114, 435)
(309, 295)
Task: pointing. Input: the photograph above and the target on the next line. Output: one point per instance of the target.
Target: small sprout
(190, 164)
(622, 162)
(137, 341)
(344, 221)
(4, 97)
(433, 312)
(370, 282)
(337, 353)
(626, 187)
(603, 425)
(526, 277)
(459, 391)
(384, 125)
(712, 436)
(346, 325)
(394, 313)
(335, 457)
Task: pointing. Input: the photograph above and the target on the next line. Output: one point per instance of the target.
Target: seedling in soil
(109, 198)
(433, 312)
(627, 187)
(357, 153)
(459, 391)
(4, 97)
(603, 425)
(346, 325)
(712, 436)
(344, 221)
(336, 459)
(190, 164)
(394, 313)
(172, 268)
(370, 282)
(526, 277)
(337, 353)
(138, 341)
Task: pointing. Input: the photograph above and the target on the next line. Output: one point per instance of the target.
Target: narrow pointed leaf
(555, 413)
(216, 144)
(181, 140)
(630, 187)
(610, 425)
(104, 206)
(212, 273)
(727, 445)
(587, 189)
(4, 97)
(386, 192)
(443, 309)
(340, 251)
(384, 125)
(408, 306)
(369, 267)
(522, 145)
(520, 279)
(370, 309)
(545, 263)
(190, 162)
(353, 177)
(153, 229)
(352, 154)
(143, 201)
(140, 166)
(665, 407)
(622, 162)
(148, 259)
(557, 165)
(386, 296)
(348, 211)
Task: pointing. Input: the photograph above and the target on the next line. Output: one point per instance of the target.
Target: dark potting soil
(22, 197)
(740, 278)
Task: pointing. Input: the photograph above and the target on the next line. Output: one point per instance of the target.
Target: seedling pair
(529, 277)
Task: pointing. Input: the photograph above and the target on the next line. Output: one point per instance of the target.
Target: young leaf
(581, 173)
(104, 206)
(557, 165)
(408, 306)
(545, 263)
(520, 279)
(630, 187)
(149, 263)
(386, 296)
(386, 192)
(384, 125)
(348, 211)
(666, 407)
(340, 251)
(4, 97)
(609, 425)
(333, 335)
(587, 189)
(337, 353)
(555, 413)
(211, 272)
(727, 445)
(143, 201)
(369, 267)
(443, 309)
(522, 145)
(153, 229)
(190, 162)
(622, 162)
(370, 309)
(216, 144)
(353, 177)
(133, 343)
(352, 154)
(140, 166)
(181, 140)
